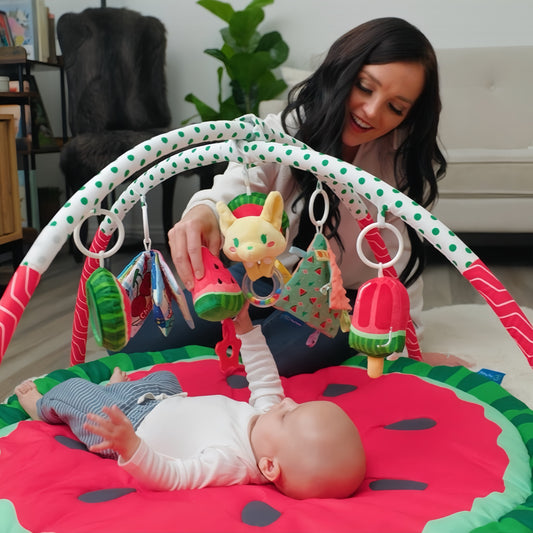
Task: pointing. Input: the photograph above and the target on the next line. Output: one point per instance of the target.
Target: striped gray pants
(69, 402)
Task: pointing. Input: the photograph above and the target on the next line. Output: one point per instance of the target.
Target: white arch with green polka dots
(248, 141)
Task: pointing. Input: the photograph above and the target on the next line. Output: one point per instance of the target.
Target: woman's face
(381, 98)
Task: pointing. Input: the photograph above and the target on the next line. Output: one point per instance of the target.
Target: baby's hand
(116, 431)
(243, 322)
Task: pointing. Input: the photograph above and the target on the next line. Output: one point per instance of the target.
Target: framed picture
(22, 15)
(6, 39)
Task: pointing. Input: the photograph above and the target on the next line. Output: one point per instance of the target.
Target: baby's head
(309, 450)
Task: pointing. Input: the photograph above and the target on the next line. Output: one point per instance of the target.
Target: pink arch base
(13, 302)
(503, 304)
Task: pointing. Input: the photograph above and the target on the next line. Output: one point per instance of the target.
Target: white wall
(308, 26)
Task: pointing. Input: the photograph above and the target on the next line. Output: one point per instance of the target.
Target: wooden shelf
(15, 63)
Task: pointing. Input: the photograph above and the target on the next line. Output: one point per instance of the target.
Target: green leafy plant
(248, 59)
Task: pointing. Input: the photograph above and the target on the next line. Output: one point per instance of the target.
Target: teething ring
(361, 236)
(104, 253)
(263, 301)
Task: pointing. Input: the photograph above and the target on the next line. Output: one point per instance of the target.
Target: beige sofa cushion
(486, 132)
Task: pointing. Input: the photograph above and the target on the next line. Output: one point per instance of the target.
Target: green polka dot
(325, 162)
(147, 147)
(114, 170)
(468, 250)
(452, 247)
(379, 192)
(307, 156)
(70, 219)
(98, 184)
(344, 170)
(84, 201)
(398, 204)
(435, 231)
(417, 216)
(181, 134)
(131, 158)
(361, 181)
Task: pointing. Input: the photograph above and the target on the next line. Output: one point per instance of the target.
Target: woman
(373, 102)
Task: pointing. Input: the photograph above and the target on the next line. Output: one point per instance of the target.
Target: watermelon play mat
(448, 449)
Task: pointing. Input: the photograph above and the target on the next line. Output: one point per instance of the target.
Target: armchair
(114, 60)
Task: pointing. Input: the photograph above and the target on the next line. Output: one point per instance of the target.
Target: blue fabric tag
(492, 374)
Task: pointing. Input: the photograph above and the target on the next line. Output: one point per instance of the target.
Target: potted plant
(248, 57)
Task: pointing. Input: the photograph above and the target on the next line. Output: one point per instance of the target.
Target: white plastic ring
(104, 253)
(324, 194)
(361, 236)
(263, 301)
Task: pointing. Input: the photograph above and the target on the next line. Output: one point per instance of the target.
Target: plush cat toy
(254, 239)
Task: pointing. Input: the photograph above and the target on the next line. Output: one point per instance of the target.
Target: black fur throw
(114, 61)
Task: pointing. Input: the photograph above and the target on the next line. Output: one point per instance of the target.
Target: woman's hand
(116, 431)
(199, 227)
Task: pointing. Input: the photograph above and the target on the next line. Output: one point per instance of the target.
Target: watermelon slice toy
(217, 295)
(379, 321)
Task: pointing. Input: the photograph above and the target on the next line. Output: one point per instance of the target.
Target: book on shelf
(30, 26)
(6, 37)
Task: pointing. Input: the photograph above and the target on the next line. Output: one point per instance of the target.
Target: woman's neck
(349, 153)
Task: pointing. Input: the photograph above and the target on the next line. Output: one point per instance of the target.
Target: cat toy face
(255, 241)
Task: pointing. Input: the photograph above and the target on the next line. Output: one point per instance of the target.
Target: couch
(487, 135)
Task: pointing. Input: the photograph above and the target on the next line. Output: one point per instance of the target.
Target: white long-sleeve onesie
(193, 442)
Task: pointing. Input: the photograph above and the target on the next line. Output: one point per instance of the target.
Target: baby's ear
(270, 468)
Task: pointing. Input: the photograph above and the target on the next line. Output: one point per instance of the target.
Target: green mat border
(519, 520)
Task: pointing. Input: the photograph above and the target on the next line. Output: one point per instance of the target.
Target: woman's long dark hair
(319, 103)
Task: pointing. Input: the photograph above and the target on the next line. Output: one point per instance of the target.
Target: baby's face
(276, 425)
(299, 439)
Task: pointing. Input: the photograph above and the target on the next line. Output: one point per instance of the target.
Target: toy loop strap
(103, 254)
(319, 191)
(359, 245)
(144, 208)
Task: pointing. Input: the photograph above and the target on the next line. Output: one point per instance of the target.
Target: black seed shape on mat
(237, 382)
(104, 495)
(412, 424)
(73, 444)
(337, 389)
(397, 484)
(259, 514)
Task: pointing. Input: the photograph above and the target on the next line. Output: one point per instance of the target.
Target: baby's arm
(261, 370)
(211, 467)
(116, 431)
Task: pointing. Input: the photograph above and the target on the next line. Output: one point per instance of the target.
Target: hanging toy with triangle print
(315, 292)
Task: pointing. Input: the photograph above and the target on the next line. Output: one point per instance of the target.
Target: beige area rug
(475, 334)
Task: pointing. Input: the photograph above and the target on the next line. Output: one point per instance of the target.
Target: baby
(170, 441)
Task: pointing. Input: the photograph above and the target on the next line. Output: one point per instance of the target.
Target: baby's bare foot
(118, 376)
(28, 395)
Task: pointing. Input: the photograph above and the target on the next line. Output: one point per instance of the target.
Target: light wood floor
(41, 342)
